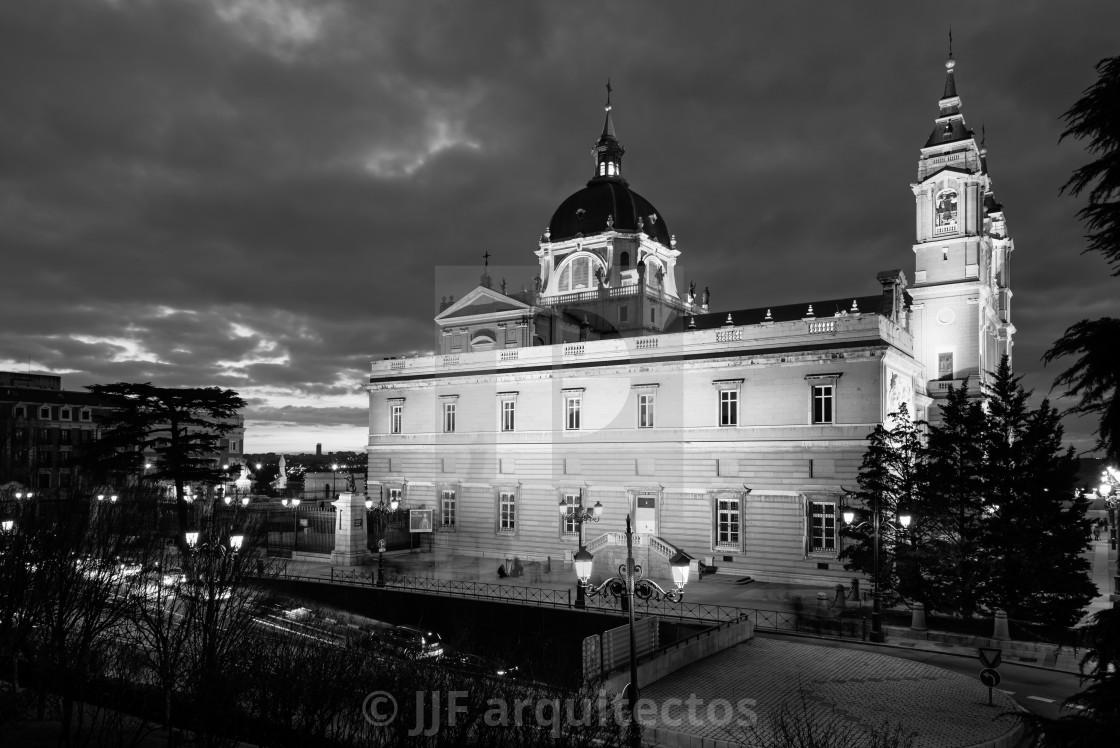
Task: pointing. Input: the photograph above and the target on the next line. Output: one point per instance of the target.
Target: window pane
(448, 509)
(581, 272)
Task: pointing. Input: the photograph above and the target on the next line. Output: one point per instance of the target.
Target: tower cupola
(608, 152)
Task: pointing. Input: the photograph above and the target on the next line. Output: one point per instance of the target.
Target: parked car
(411, 642)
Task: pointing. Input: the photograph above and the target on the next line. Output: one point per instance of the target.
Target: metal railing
(763, 619)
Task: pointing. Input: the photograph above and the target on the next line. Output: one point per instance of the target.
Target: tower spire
(949, 126)
(607, 152)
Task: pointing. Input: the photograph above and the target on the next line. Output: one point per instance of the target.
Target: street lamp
(334, 475)
(7, 525)
(903, 522)
(580, 514)
(294, 503)
(628, 585)
(381, 544)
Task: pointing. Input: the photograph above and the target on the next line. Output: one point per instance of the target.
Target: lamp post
(579, 515)
(876, 521)
(381, 544)
(334, 475)
(628, 585)
(294, 504)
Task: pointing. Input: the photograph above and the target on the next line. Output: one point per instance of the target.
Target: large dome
(586, 212)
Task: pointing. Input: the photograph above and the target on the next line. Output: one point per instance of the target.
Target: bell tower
(962, 251)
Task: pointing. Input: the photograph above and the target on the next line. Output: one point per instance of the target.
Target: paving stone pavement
(942, 709)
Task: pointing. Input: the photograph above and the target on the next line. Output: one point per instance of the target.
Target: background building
(730, 435)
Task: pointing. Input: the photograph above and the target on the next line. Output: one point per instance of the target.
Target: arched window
(624, 260)
(576, 275)
(946, 208)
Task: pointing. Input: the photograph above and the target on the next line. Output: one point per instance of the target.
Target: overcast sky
(266, 195)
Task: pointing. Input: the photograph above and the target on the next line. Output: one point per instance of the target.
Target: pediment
(950, 169)
(481, 302)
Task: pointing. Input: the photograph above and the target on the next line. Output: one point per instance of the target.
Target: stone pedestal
(999, 629)
(918, 617)
(350, 531)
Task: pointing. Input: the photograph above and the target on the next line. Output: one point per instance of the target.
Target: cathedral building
(729, 435)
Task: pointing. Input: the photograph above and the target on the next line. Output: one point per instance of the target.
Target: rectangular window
(645, 410)
(572, 404)
(507, 520)
(64, 436)
(44, 436)
(86, 414)
(571, 527)
(944, 365)
(395, 413)
(623, 313)
(447, 509)
(729, 407)
(21, 411)
(449, 417)
(727, 522)
(822, 403)
(652, 315)
(395, 493)
(509, 413)
(64, 414)
(822, 526)
(45, 412)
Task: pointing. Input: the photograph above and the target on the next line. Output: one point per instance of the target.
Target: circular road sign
(989, 677)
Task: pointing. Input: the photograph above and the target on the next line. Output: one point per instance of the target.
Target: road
(1039, 690)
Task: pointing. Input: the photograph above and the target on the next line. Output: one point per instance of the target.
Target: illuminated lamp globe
(284, 503)
(1105, 488)
(244, 501)
(295, 502)
(7, 525)
(583, 561)
(680, 565)
(394, 503)
(904, 520)
(564, 508)
(369, 503)
(598, 509)
(192, 538)
(849, 517)
(235, 541)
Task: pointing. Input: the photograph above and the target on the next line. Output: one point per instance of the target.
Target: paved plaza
(942, 709)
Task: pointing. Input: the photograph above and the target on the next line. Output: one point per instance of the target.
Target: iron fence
(763, 619)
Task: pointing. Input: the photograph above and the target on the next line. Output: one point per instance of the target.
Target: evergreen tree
(994, 525)
(182, 427)
(1033, 532)
(1094, 377)
(889, 483)
(952, 507)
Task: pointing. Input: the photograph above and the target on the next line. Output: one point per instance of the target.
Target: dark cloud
(268, 195)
